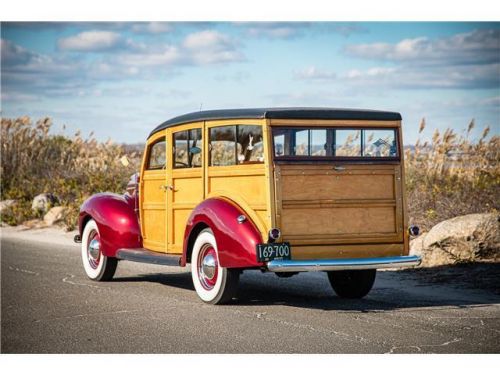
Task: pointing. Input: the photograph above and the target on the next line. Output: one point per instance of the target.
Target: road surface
(49, 306)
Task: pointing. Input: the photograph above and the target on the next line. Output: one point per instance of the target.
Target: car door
(185, 182)
(153, 202)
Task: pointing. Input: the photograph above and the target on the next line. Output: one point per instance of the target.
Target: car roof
(298, 113)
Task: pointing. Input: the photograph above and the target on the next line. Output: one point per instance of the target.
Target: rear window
(328, 143)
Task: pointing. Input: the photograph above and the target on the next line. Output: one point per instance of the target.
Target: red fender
(236, 242)
(116, 219)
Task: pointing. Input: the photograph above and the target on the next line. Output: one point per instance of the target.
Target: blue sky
(121, 79)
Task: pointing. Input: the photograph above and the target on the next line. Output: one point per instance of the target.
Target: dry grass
(73, 168)
(452, 176)
(447, 177)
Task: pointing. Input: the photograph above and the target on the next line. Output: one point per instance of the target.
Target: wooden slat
(367, 250)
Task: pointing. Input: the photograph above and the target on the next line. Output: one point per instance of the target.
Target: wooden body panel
(186, 191)
(153, 204)
(246, 185)
(324, 213)
(319, 205)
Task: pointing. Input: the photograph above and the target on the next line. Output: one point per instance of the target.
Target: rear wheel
(352, 283)
(97, 266)
(214, 284)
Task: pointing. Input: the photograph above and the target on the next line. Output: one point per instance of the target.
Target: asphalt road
(49, 306)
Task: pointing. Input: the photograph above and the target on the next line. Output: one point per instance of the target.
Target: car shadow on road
(460, 286)
(177, 280)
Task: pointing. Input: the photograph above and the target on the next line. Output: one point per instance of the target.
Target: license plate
(271, 251)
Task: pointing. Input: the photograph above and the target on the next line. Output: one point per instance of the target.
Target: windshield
(331, 143)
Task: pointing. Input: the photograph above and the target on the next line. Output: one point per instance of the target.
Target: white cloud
(152, 27)
(93, 40)
(314, 74)
(462, 61)
(208, 47)
(475, 47)
(274, 30)
(410, 77)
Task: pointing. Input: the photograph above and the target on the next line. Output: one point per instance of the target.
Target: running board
(148, 256)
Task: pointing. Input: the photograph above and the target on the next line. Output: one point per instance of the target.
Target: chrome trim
(342, 264)
(94, 249)
(208, 266)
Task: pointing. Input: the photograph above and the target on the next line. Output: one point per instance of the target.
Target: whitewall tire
(214, 284)
(97, 266)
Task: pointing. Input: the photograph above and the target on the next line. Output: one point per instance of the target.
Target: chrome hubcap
(94, 249)
(208, 266)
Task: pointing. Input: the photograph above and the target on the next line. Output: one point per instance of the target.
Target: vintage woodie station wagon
(283, 190)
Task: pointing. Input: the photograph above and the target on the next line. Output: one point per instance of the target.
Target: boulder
(43, 202)
(55, 215)
(468, 238)
(4, 205)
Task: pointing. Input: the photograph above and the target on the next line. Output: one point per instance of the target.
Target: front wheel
(97, 266)
(214, 284)
(352, 283)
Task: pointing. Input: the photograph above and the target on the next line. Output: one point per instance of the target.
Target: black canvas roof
(281, 113)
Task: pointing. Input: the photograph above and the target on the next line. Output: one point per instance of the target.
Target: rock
(55, 215)
(34, 224)
(6, 204)
(43, 202)
(466, 238)
(417, 245)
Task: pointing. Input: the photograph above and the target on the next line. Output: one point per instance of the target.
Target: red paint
(235, 242)
(116, 219)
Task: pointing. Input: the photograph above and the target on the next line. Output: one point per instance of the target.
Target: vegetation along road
(49, 306)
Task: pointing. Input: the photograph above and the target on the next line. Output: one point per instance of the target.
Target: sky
(120, 80)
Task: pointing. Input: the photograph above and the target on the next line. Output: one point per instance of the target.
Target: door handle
(167, 187)
(339, 168)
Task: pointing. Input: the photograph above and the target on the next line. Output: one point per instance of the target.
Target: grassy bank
(73, 168)
(447, 177)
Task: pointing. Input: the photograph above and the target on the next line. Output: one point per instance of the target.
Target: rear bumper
(342, 264)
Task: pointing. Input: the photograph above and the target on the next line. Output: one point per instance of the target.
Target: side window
(249, 144)
(187, 148)
(157, 155)
(223, 145)
(194, 151)
(236, 144)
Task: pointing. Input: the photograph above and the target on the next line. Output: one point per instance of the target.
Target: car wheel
(352, 283)
(214, 284)
(97, 266)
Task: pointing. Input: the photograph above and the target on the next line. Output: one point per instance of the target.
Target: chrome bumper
(342, 264)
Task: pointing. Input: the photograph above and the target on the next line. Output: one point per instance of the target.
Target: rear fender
(116, 219)
(236, 242)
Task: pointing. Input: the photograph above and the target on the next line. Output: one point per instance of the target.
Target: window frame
(148, 159)
(330, 158)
